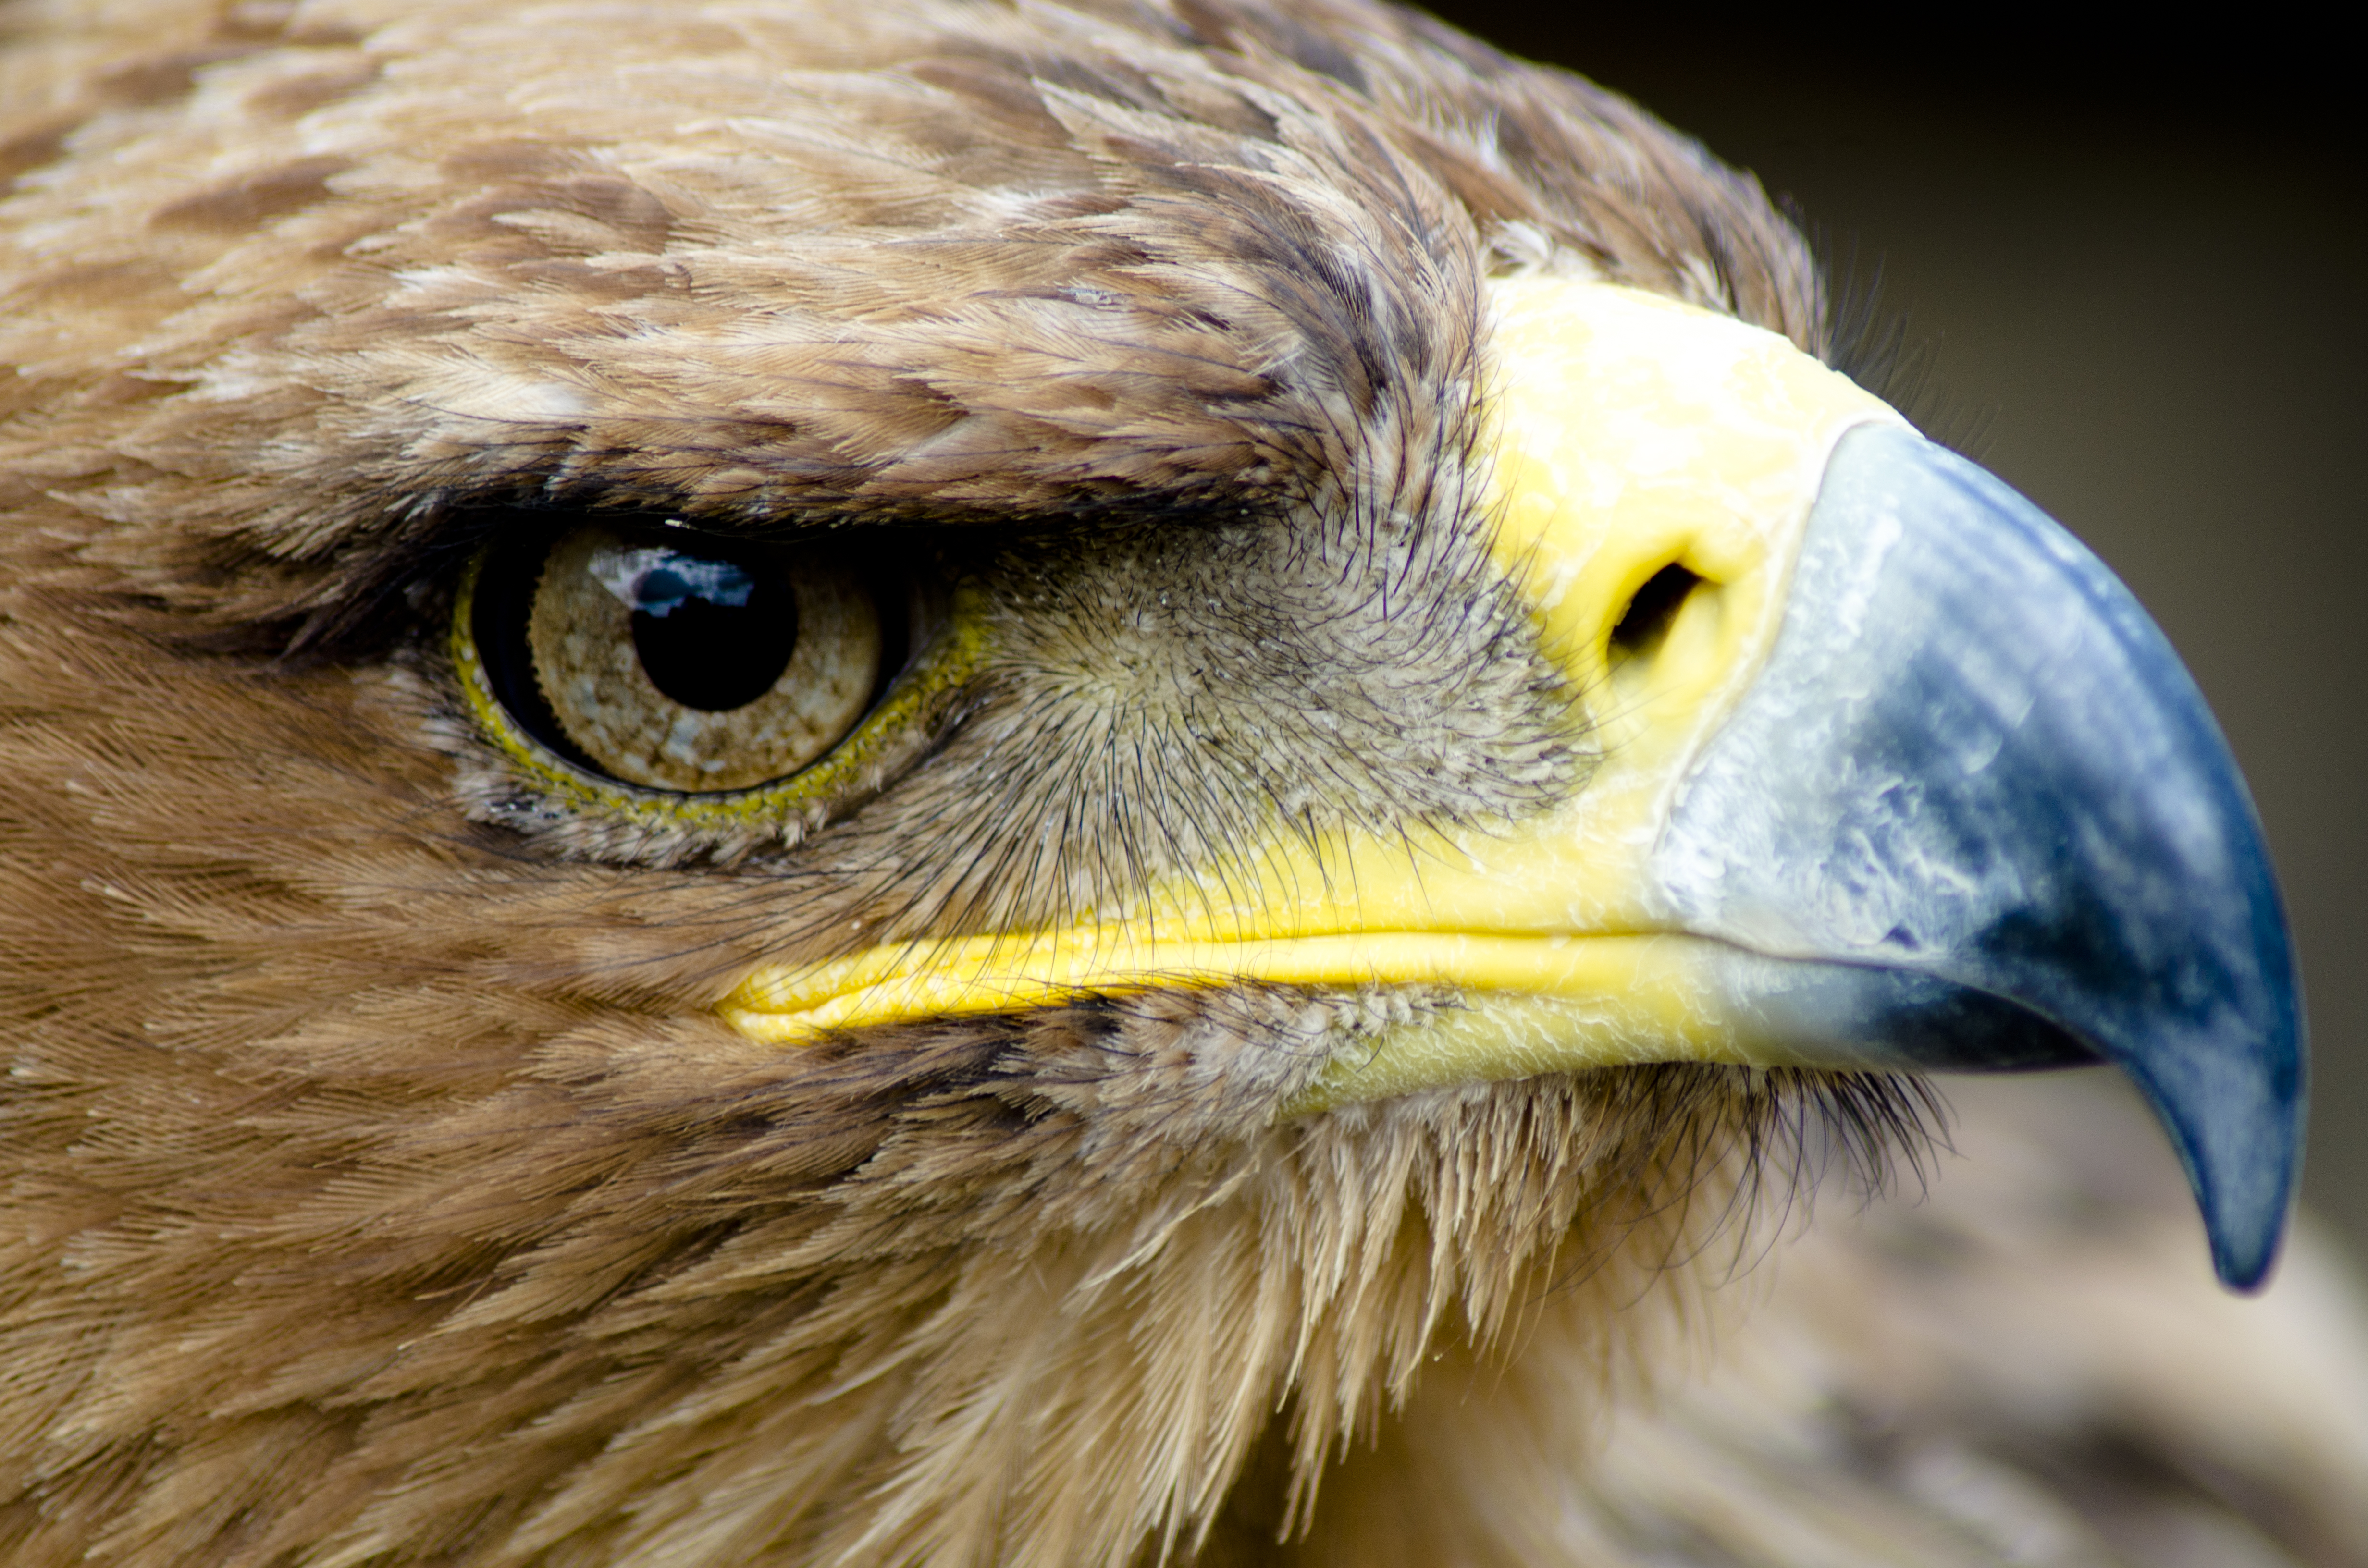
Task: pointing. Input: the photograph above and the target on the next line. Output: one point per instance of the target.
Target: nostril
(1647, 618)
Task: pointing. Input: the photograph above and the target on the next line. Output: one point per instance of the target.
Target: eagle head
(931, 782)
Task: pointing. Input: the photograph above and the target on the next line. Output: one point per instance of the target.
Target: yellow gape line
(992, 974)
(1630, 433)
(1522, 1004)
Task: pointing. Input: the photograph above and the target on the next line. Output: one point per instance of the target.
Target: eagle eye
(670, 660)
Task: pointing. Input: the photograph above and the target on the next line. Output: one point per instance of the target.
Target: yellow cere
(1631, 432)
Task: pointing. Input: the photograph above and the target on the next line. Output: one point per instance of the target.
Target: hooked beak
(1899, 777)
(1976, 790)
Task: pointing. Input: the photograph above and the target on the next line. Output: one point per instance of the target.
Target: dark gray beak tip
(2234, 1111)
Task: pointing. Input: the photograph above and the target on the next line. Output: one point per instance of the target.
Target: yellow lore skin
(1631, 432)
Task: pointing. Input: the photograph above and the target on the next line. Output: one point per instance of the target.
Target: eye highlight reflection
(711, 633)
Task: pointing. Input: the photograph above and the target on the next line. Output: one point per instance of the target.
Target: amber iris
(676, 660)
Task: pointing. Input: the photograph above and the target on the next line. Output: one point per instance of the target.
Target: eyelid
(948, 657)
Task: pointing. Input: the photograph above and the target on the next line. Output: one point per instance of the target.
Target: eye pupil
(714, 639)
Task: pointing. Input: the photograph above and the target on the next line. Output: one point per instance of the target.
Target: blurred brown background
(2138, 257)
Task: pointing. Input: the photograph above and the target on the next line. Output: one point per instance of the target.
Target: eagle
(1065, 782)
